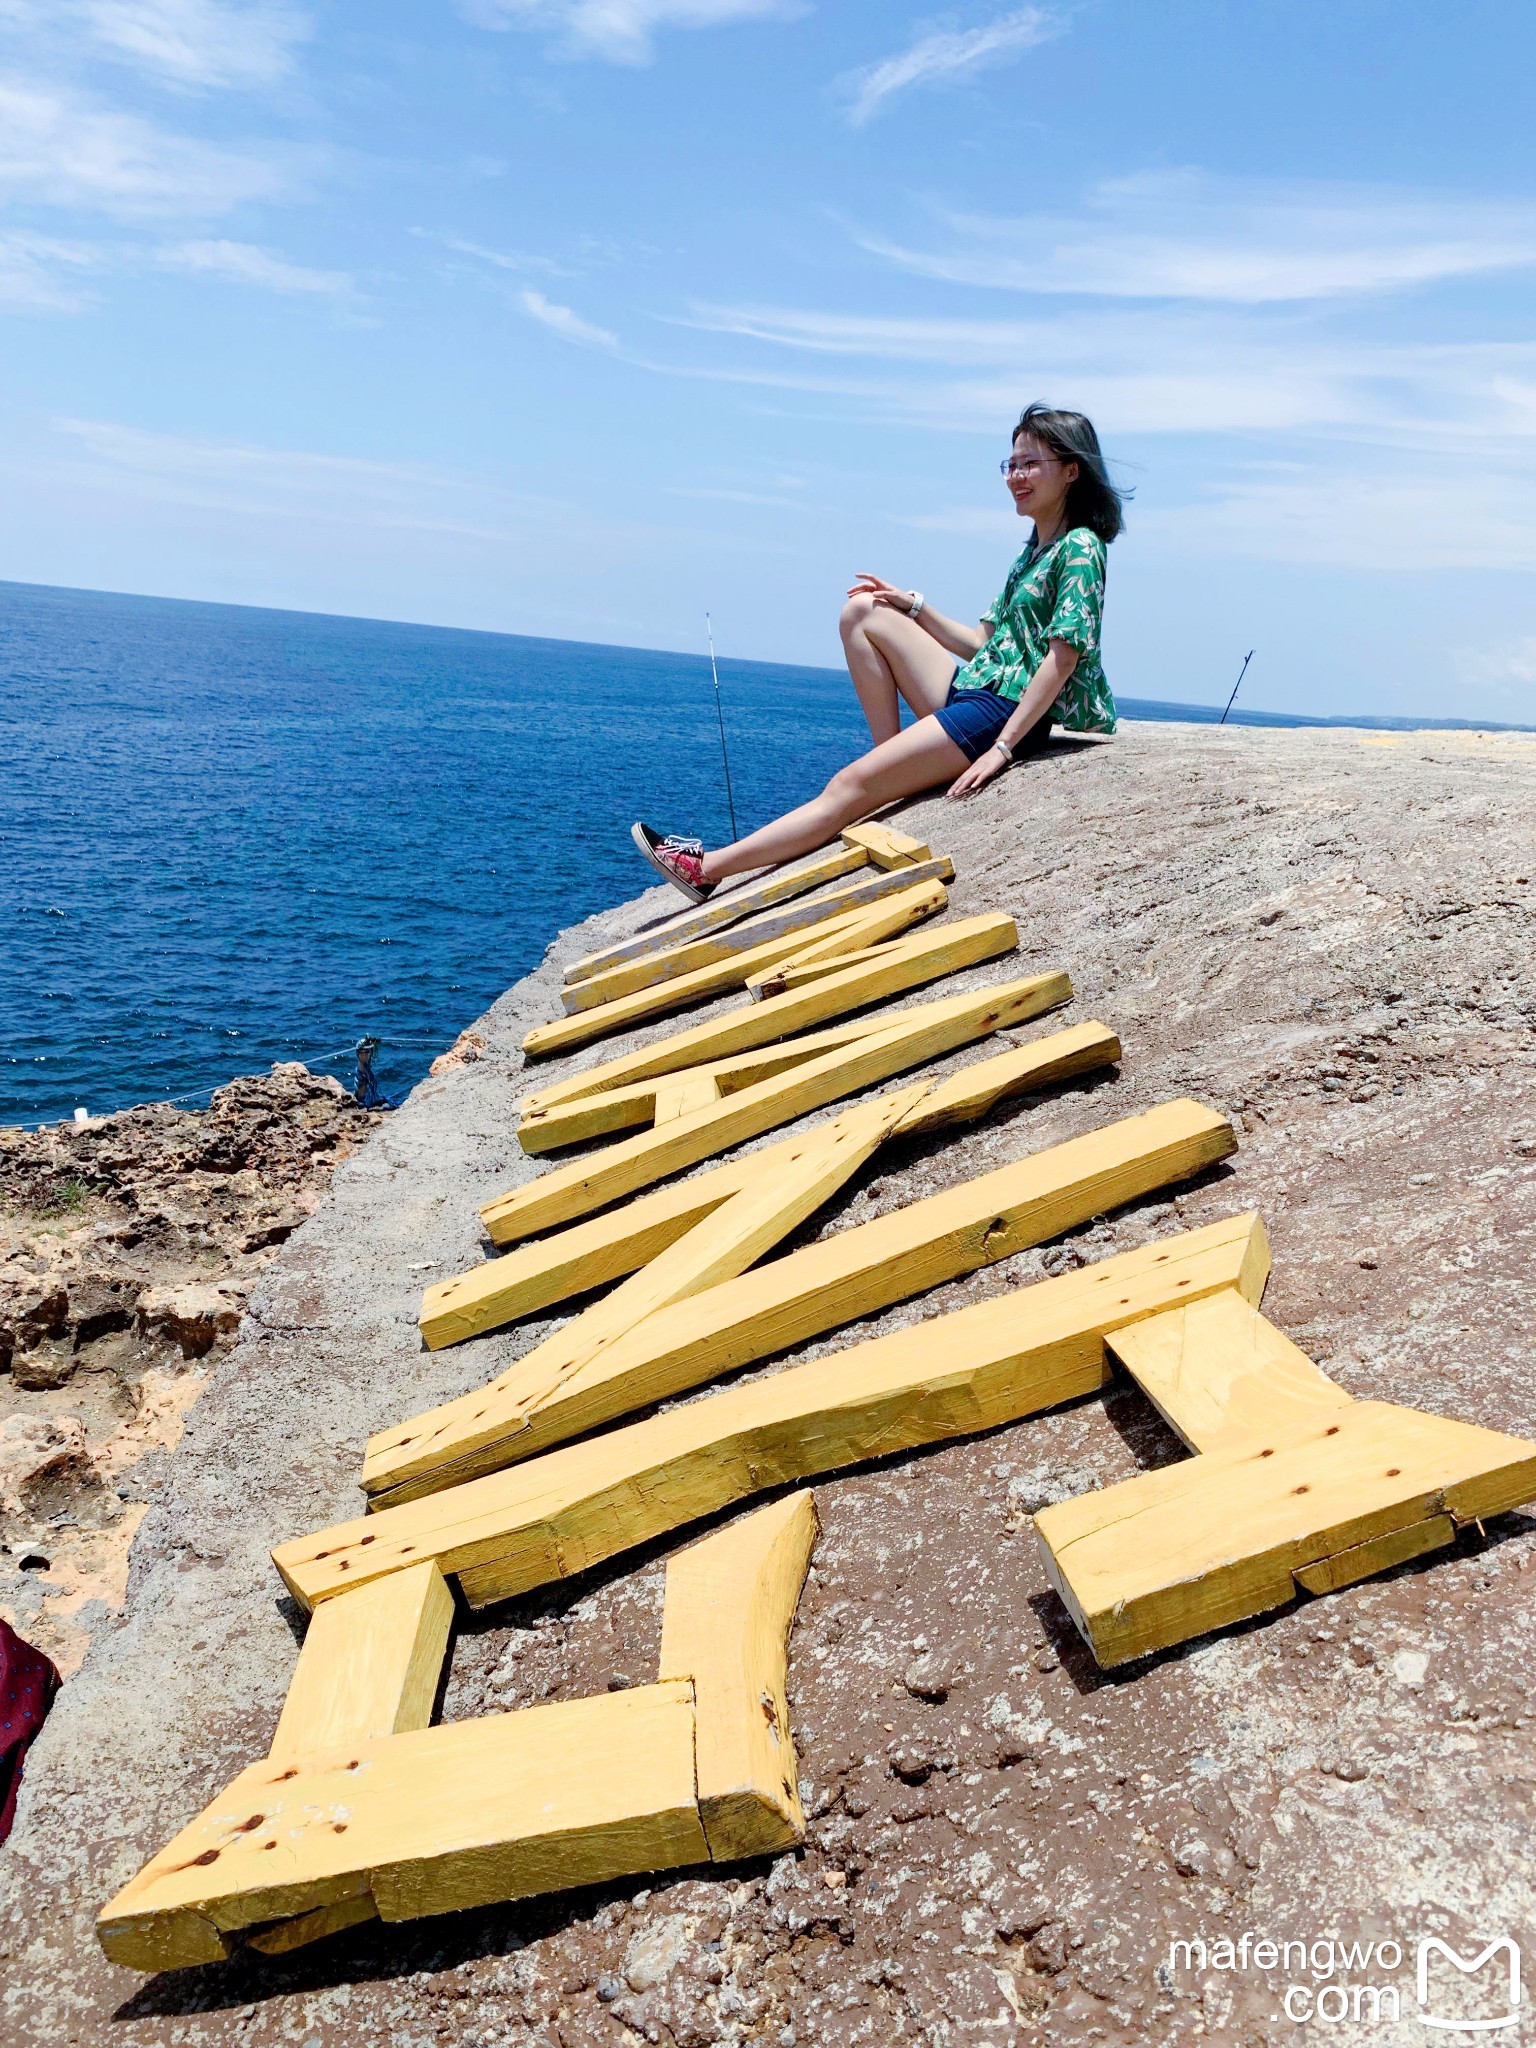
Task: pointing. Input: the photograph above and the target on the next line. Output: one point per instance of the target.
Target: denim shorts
(974, 718)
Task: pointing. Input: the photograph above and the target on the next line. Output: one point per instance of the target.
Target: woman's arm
(1046, 685)
(962, 640)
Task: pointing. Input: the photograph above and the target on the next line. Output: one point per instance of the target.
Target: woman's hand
(867, 585)
(984, 769)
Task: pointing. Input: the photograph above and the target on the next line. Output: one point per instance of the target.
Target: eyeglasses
(1030, 466)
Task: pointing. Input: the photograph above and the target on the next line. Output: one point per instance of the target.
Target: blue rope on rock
(367, 1090)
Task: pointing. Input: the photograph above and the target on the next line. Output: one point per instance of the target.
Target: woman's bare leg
(891, 658)
(922, 757)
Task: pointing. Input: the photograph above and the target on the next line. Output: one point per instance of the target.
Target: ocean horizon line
(1149, 709)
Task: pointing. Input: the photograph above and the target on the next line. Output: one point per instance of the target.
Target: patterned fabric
(1055, 593)
(28, 1683)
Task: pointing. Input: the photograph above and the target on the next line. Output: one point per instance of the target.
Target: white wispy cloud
(622, 31)
(720, 495)
(1164, 371)
(1183, 235)
(1319, 446)
(515, 260)
(62, 150)
(244, 263)
(1368, 514)
(944, 56)
(1508, 667)
(198, 43)
(293, 483)
(561, 320)
(40, 273)
(1142, 372)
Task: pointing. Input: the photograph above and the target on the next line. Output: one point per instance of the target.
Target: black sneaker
(677, 860)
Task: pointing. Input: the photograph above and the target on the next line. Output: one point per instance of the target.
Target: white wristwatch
(1004, 749)
(916, 605)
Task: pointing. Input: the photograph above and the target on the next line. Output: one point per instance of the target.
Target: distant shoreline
(1151, 710)
(1144, 708)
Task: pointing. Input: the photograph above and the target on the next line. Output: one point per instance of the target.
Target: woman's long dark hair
(1092, 499)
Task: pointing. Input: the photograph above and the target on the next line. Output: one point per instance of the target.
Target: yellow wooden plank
(849, 1274)
(590, 1254)
(283, 1936)
(618, 1109)
(951, 1376)
(726, 908)
(771, 1204)
(369, 1666)
(774, 981)
(590, 1182)
(898, 1039)
(606, 1247)
(873, 938)
(596, 1015)
(601, 1019)
(829, 956)
(758, 1024)
(1221, 1369)
(886, 847)
(876, 922)
(699, 1764)
(1173, 1553)
(681, 1094)
(596, 1179)
(730, 1603)
(805, 915)
(1019, 1071)
(581, 1117)
(463, 1815)
(1365, 1560)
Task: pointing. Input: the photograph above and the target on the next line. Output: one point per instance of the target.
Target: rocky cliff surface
(128, 1249)
(1330, 939)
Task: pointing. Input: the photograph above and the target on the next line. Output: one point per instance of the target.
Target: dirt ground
(1327, 935)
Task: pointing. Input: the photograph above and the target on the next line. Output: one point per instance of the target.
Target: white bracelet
(916, 605)
(1004, 749)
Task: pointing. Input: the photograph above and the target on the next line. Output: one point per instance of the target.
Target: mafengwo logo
(1330, 1983)
(1497, 1990)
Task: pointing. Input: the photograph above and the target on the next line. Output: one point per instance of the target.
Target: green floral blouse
(1056, 593)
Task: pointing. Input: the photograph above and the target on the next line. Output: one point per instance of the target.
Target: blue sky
(576, 317)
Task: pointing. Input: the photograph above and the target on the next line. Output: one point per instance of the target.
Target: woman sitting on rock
(982, 695)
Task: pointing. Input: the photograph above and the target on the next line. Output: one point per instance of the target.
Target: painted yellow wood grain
(369, 1666)
(1000, 1359)
(606, 1247)
(805, 914)
(1173, 1553)
(886, 846)
(730, 1602)
(589, 1183)
(430, 1822)
(759, 1024)
(1222, 1369)
(724, 910)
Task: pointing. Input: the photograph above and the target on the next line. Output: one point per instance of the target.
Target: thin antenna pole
(1236, 686)
(720, 715)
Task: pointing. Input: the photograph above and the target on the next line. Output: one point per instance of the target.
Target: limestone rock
(193, 1316)
(44, 1468)
(33, 1307)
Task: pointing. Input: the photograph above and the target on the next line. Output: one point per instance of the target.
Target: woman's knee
(849, 785)
(855, 613)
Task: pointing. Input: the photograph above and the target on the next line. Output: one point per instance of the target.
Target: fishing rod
(1236, 686)
(720, 715)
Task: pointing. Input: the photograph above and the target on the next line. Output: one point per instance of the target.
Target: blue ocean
(231, 836)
